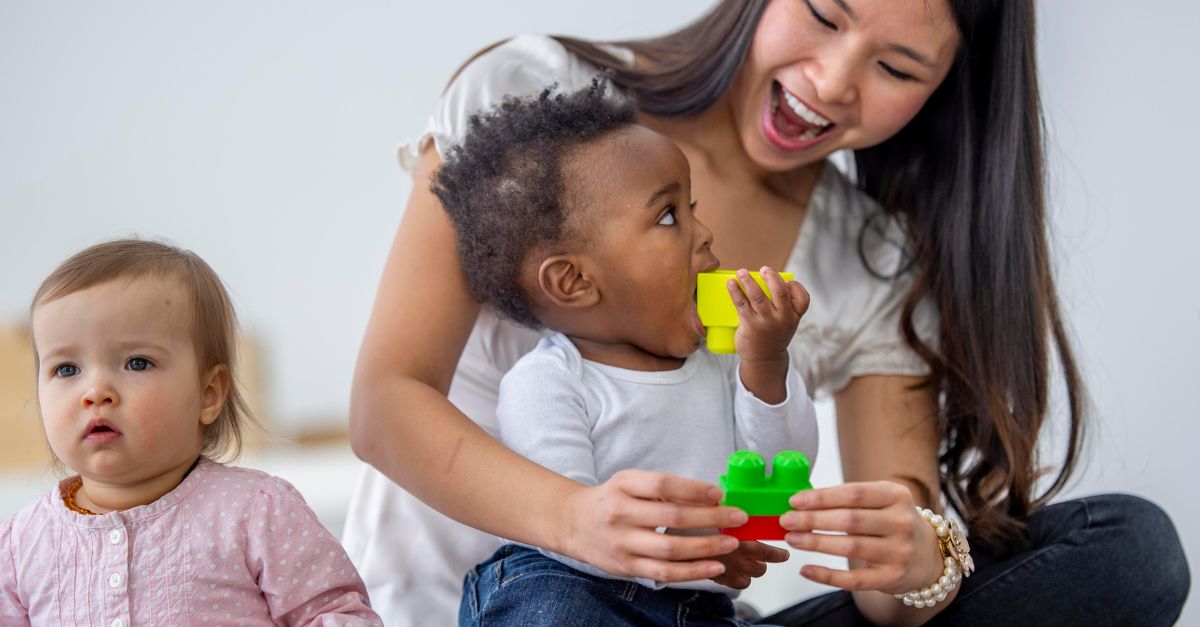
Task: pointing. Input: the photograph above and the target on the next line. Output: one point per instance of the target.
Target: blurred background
(262, 136)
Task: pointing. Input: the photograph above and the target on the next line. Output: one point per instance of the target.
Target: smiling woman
(934, 325)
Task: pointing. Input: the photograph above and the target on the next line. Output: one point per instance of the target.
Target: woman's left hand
(875, 525)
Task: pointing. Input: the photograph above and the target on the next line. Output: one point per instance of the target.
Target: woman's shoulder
(518, 67)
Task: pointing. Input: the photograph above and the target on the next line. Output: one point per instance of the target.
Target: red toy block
(758, 528)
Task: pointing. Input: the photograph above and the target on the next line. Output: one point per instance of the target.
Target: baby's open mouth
(795, 120)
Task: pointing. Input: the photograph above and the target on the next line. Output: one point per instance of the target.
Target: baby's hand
(748, 561)
(766, 325)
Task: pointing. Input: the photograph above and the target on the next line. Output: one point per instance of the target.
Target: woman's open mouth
(790, 124)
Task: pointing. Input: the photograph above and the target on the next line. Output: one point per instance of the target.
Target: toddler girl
(134, 345)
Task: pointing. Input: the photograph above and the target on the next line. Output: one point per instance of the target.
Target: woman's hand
(891, 548)
(613, 526)
(747, 562)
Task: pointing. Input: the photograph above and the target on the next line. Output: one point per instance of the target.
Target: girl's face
(121, 393)
(823, 75)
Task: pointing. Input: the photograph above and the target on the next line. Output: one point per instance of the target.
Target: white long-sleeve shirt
(587, 421)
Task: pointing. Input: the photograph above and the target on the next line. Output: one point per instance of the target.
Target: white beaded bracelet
(952, 573)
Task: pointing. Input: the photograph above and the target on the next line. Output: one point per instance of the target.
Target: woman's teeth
(803, 112)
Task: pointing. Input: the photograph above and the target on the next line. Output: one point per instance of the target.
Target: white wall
(261, 135)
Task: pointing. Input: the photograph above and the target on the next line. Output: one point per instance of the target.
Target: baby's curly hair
(503, 187)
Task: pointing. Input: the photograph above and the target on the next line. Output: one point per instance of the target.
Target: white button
(117, 623)
(114, 580)
(114, 536)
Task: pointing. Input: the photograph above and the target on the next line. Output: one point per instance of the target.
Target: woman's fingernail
(798, 500)
(738, 518)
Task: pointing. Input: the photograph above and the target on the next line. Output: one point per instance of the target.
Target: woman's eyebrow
(673, 187)
(898, 48)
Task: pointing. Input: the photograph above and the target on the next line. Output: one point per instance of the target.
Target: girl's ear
(212, 396)
(563, 281)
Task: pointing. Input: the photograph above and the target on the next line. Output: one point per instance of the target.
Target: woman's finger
(864, 548)
(859, 579)
(666, 487)
(864, 522)
(649, 514)
(674, 548)
(668, 571)
(868, 495)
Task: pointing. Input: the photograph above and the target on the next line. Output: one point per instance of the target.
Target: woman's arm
(402, 424)
(887, 435)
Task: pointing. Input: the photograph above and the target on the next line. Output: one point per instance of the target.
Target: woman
(933, 323)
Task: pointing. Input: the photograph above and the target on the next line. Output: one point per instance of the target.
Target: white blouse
(411, 557)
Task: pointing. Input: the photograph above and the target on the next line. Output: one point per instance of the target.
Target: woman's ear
(212, 395)
(563, 281)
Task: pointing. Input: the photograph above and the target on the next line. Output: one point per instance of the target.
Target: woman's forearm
(415, 436)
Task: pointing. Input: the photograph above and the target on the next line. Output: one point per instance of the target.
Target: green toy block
(747, 487)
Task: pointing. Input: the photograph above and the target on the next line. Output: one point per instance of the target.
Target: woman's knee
(1147, 554)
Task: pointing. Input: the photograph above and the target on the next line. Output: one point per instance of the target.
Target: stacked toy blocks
(764, 498)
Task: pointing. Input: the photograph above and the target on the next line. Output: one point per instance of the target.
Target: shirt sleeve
(543, 416)
(12, 612)
(303, 572)
(521, 66)
(788, 425)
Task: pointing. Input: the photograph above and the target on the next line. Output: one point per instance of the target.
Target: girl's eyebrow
(667, 189)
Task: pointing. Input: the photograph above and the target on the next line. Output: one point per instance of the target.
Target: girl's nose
(100, 391)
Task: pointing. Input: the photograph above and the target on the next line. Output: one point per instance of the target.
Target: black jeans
(1112, 559)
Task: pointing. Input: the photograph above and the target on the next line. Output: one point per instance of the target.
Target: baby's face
(646, 241)
(119, 383)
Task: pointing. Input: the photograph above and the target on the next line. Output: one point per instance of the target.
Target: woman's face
(822, 75)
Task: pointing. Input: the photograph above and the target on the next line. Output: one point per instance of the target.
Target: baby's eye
(66, 370)
(668, 217)
(137, 363)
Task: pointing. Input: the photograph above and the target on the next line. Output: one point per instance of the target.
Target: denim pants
(519, 586)
(1112, 559)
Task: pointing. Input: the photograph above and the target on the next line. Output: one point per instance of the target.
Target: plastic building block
(716, 309)
(748, 487)
(758, 528)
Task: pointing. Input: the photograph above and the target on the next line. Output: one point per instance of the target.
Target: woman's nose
(834, 78)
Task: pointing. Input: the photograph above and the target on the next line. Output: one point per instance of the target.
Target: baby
(573, 218)
(134, 344)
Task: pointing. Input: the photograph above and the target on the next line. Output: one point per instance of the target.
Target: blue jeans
(1104, 560)
(521, 587)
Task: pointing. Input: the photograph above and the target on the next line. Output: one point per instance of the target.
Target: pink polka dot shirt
(228, 546)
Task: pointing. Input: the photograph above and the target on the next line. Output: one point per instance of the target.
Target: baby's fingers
(760, 552)
(800, 298)
(755, 297)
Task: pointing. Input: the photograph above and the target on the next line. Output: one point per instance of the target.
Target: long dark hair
(967, 173)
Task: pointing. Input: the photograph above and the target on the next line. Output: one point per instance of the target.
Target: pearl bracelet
(952, 573)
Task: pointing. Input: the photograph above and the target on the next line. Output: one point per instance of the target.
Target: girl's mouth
(790, 124)
(100, 431)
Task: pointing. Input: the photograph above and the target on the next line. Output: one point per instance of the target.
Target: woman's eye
(668, 217)
(137, 363)
(820, 18)
(66, 370)
(896, 73)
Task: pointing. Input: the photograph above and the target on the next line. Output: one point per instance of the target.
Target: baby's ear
(212, 396)
(563, 280)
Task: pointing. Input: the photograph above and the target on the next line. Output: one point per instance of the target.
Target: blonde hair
(213, 324)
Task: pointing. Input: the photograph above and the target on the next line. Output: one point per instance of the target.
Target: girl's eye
(668, 217)
(66, 370)
(820, 18)
(137, 363)
(896, 73)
